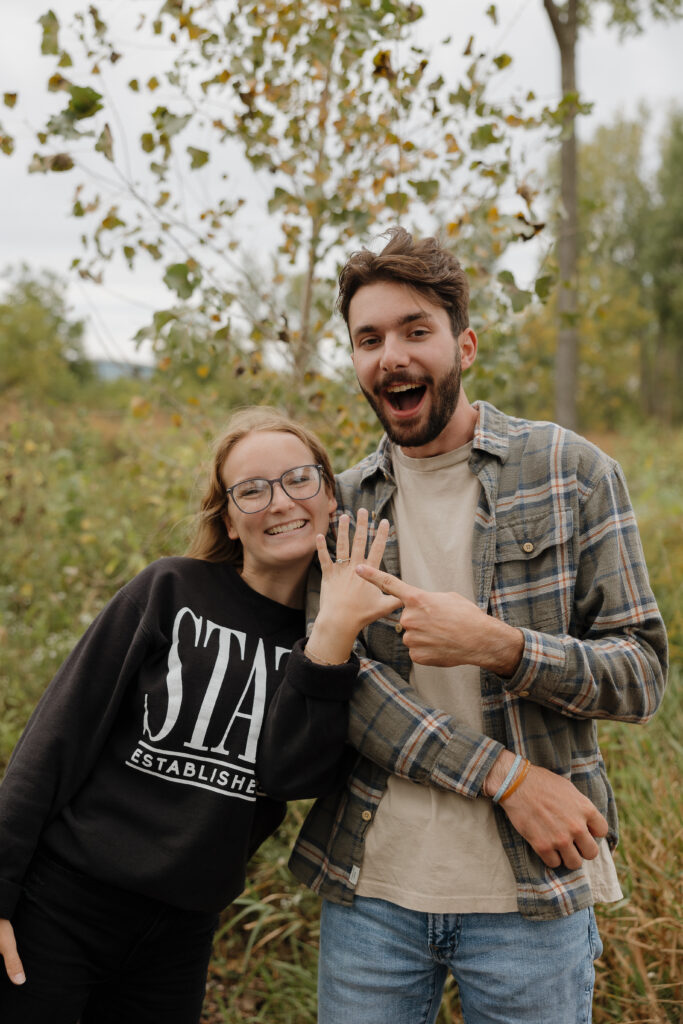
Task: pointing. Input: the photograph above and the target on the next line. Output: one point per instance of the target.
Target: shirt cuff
(544, 658)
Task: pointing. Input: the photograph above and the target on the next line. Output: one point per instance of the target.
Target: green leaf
(397, 201)
(484, 135)
(57, 162)
(520, 299)
(426, 190)
(112, 220)
(162, 317)
(199, 157)
(10, 99)
(105, 143)
(168, 123)
(280, 197)
(50, 26)
(6, 143)
(502, 61)
(84, 102)
(182, 279)
(544, 286)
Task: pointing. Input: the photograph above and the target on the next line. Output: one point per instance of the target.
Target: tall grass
(88, 497)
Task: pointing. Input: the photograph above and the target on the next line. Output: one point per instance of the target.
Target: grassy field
(89, 496)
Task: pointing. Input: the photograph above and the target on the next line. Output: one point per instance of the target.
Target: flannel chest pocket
(533, 576)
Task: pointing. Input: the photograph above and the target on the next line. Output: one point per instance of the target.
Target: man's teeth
(394, 388)
(287, 527)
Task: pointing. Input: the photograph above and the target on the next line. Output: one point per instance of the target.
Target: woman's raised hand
(348, 602)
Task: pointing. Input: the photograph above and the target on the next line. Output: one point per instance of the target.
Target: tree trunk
(565, 28)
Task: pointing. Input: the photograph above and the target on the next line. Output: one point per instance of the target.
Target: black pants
(100, 955)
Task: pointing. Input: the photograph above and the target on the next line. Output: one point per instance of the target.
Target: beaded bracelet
(518, 781)
(509, 777)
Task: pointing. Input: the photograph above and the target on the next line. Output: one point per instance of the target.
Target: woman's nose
(280, 497)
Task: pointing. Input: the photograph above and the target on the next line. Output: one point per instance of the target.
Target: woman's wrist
(327, 645)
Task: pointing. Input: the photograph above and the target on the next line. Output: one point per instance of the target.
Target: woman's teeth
(286, 527)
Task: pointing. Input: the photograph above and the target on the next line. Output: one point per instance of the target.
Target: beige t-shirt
(428, 850)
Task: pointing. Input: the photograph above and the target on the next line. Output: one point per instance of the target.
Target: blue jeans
(382, 964)
(103, 955)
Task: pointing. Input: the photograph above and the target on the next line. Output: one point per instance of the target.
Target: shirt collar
(491, 434)
(490, 437)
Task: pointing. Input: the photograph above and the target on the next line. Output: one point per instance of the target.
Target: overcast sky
(35, 227)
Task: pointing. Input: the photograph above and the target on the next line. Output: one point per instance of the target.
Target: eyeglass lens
(256, 494)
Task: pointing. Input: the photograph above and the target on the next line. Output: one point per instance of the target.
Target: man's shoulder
(544, 443)
(368, 473)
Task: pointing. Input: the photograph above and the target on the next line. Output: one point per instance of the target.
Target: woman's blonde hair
(210, 539)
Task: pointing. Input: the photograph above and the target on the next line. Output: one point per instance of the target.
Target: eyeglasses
(256, 494)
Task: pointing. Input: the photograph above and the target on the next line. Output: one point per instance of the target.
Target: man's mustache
(401, 378)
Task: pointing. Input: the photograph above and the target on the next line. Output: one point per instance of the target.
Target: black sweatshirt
(138, 765)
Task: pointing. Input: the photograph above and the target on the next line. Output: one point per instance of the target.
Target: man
(470, 836)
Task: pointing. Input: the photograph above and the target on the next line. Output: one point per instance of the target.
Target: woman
(131, 805)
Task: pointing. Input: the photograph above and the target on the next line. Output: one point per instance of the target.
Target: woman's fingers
(354, 553)
(379, 543)
(360, 537)
(343, 538)
(8, 949)
(323, 553)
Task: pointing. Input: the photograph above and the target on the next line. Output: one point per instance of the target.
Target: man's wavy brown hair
(422, 264)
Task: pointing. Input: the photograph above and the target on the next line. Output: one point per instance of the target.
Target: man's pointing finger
(387, 583)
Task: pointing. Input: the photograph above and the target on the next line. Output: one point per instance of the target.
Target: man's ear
(468, 347)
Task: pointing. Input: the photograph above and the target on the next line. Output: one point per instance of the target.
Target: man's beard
(445, 396)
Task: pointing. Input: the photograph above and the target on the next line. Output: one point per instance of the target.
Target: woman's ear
(232, 532)
(331, 504)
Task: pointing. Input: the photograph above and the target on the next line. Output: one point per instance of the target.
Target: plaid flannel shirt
(556, 552)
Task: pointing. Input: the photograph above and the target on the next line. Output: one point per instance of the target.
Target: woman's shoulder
(173, 571)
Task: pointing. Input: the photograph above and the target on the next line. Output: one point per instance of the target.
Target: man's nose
(395, 353)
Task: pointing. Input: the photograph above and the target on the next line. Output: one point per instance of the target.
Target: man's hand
(557, 820)
(446, 629)
(8, 950)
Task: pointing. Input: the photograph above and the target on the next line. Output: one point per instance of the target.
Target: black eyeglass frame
(276, 480)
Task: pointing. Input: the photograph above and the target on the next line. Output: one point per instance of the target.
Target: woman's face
(282, 535)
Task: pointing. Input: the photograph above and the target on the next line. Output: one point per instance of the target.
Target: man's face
(407, 361)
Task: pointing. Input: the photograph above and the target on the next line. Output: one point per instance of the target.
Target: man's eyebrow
(408, 318)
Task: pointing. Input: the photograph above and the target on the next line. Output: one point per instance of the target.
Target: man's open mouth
(404, 397)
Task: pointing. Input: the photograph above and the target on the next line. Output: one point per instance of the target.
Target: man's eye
(368, 342)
